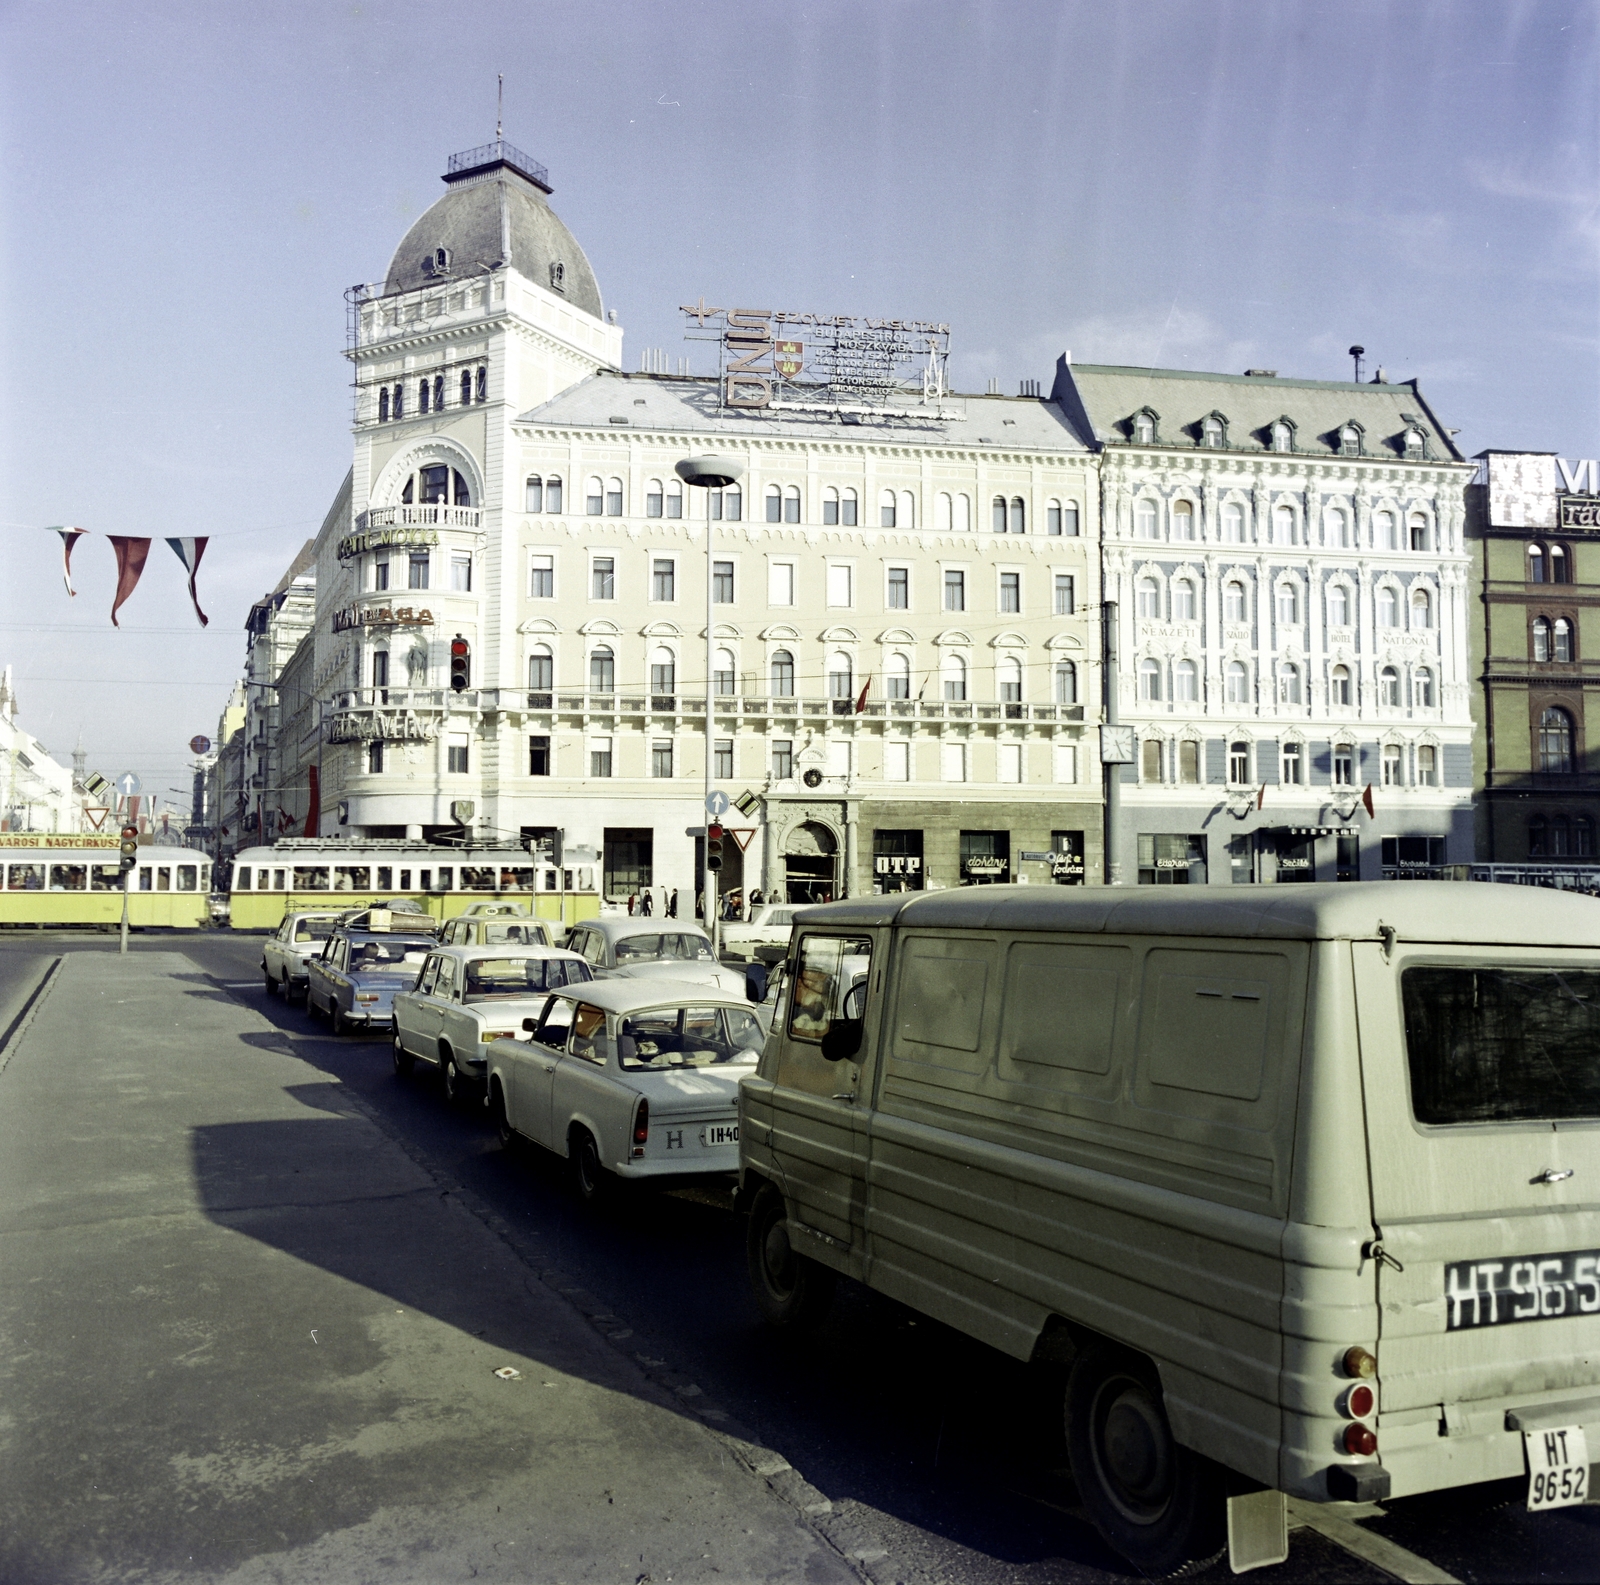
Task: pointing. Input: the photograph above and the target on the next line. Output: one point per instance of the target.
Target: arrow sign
(718, 803)
(128, 784)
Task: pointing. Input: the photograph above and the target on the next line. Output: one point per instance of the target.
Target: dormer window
(1213, 431)
(558, 276)
(1411, 443)
(1282, 435)
(1144, 427)
(1350, 438)
(437, 262)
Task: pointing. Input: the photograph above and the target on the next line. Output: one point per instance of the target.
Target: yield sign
(96, 814)
(741, 837)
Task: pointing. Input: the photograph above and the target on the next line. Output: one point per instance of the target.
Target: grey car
(355, 980)
(300, 937)
(617, 947)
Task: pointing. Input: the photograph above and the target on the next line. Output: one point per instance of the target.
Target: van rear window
(1502, 1045)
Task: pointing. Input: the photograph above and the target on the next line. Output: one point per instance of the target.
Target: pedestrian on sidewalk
(672, 904)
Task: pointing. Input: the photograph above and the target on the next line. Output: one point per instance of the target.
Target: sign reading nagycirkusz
(772, 358)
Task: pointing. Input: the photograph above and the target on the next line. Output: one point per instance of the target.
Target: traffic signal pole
(130, 856)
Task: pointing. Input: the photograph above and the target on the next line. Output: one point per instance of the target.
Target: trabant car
(498, 925)
(355, 979)
(631, 1080)
(769, 928)
(300, 937)
(467, 998)
(619, 947)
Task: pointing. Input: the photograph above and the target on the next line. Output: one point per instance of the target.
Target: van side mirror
(842, 1039)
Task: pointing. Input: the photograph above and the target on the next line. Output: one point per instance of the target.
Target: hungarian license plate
(719, 1134)
(1558, 1467)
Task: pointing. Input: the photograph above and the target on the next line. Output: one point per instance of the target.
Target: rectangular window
(837, 763)
(1066, 763)
(418, 570)
(899, 588)
(782, 759)
(1010, 592)
(953, 761)
(661, 758)
(1344, 766)
(629, 855)
(538, 756)
(600, 756)
(955, 590)
(1150, 760)
(1292, 762)
(1171, 860)
(603, 578)
(456, 752)
(839, 583)
(380, 574)
(1189, 763)
(663, 580)
(375, 757)
(542, 578)
(1427, 766)
(780, 583)
(1403, 856)
(897, 761)
(722, 758)
(1065, 596)
(896, 861)
(380, 668)
(722, 583)
(461, 574)
(1066, 864)
(1010, 762)
(985, 858)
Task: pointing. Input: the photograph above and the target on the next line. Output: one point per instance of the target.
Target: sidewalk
(244, 1337)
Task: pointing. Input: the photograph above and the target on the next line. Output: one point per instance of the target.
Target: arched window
(1418, 527)
(1052, 517)
(897, 677)
(1066, 682)
(1422, 688)
(830, 507)
(724, 672)
(1212, 434)
(1350, 441)
(886, 515)
(943, 512)
(847, 509)
(1536, 566)
(1338, 605)
(483, 383)
(1235, 603)
(1185, 682)
(552, 493)
(1555, 741)
(613, 497)
(1339, 685)
(438, 392)
(423, 388)
(1238, 684)
(1282, 437)
(782, 674)
(1283, 525)
(1019, 515)
(654, 500)
(1388, 606)
(1183, 520)
(907, 514)
(533, 494)
(1009, 673)
(1563, 637)
(774, 504)
(602, 670)
(1288, 605)
(1150, 681)
(1560, 565)
(663, 671)
(1385, 536)
(791, 504)
(1412, 442)
(1541, 638)
(1183, 601)
(1559, 844)
(383, 405)
(953, 674)
(1149, 598)
(399, 407)
(963, 522)
(466, 386)
(1239, 764)
(1144, 429)
(541, 669)
(1338, 527)
(1146, 523)
(1233, 523)
(594, 501)
(1421, 609)
(997, 512)
(1389, 687)
(1288, 683)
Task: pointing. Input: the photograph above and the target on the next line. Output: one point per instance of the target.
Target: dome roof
(495, 212)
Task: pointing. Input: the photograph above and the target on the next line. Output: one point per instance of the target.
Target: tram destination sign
(58, 839)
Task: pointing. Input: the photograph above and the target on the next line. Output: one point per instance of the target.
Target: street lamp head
(710, 473)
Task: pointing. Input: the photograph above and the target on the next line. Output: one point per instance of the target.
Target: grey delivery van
(1303, 1183)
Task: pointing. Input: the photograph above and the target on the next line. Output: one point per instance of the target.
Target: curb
(18, 1025)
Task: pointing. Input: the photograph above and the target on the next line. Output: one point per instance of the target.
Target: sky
(189, 189)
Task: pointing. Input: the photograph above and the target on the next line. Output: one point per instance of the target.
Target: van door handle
(1375, 1251)
(845, 1095)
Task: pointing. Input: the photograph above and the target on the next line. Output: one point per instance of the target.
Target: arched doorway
(810, 864)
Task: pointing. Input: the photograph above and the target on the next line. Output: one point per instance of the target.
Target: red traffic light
(130, 833)
(714, 832)
(460, 664)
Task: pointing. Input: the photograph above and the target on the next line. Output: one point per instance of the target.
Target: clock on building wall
(1116, 745)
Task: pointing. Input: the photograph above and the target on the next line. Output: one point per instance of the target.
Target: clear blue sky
(189, 188)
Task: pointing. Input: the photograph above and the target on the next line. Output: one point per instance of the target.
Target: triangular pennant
(69, 538)
(189, 552)
(1366, 799)
(131, 554)
(866, 688)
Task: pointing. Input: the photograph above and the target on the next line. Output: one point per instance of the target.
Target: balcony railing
(436, 515)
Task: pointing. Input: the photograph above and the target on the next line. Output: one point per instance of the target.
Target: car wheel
(449, 1075)
(337, 1019)
(791, 1291)
(1156, 1502)
(506, 1134)
(286, 990)
(589, 1178)
(272, 984)
(404, 1062)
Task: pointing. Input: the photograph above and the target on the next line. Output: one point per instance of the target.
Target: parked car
(466, 998)
(284, 956)
(220, 908)
(769, 928)
(629, 1079)
(496, 925)
(356, 977)
(638, 948)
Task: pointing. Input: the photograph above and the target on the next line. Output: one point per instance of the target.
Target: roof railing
(497, 153)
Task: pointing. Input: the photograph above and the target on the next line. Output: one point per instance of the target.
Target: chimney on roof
(1381, 377)
(1028, 388)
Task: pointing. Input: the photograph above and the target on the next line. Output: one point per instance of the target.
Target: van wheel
(591, 1180)
(404, 1062)
(791, 1291)
(1156, 1502)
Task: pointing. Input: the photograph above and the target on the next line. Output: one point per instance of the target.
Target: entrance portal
(810, 864)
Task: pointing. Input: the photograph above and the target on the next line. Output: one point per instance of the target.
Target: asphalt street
(927, 1456)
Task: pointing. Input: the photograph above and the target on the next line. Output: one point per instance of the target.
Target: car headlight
(498, 1034)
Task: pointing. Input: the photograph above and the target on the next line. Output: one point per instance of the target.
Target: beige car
(1303, 1183)
(495, 925)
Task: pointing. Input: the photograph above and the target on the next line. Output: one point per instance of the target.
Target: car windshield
(389, 953)
(313, 930)
(1502, 1044)
(492, 978)
(688, 1037)
(522, 935)
(671, 945)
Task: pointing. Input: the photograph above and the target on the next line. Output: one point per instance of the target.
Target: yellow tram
(332, 872)
(75, 878)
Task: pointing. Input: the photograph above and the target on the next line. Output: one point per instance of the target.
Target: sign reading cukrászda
(380, 538)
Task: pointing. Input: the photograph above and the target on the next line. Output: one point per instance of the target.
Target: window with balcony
(722, 583)
(1010, 592)
(1066, 682)
(841, 676)
(663, 678)
(663, 579)
(782, 669)
(896, 676)
(602, 670)
(724, 673)
(1008, 674)
(899, 589)
(541, 670)
(953, 677)
(539, 755)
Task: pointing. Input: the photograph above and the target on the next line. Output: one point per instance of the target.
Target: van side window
(1207, 1018)
(1060, 1009)
(943, 983)
(829, 969)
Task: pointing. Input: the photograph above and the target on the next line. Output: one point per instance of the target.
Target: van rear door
(1481, 1073)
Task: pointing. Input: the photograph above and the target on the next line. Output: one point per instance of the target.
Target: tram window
(105, 877)
(25, 878)
(442, 880)
(145, 878)
(385, 878)
(310, 878)
(205, 877)
(188, 877)
(163, 878)
(425, 880)
(475, 878)
(405, 880)
(277, 880)
(68, 878)
(516, 880)
(241, 878)
(352, 878)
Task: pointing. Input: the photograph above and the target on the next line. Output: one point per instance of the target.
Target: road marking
(1375, 1549)
(241, 985)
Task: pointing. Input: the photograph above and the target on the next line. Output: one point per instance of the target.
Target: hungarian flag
(131, 555)
(189, 552)
(1366, 798)
(861, 702)
(69, 538)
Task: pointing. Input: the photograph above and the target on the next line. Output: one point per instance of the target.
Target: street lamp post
(708, 474)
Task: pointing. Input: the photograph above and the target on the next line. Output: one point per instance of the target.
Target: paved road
(941, 1452)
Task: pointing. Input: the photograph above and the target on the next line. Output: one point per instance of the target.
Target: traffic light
(130, 847)
(460, 664)
(713, 847)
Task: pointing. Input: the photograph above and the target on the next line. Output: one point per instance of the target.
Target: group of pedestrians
(733, 904)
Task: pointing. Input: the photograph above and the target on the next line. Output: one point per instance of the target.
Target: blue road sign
(128, 784)
(718, 803)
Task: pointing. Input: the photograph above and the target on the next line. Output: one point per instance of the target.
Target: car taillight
(366, 996)
(641, 1126)
(1360, 1401)
(1361, 1440)
(1358, 1362)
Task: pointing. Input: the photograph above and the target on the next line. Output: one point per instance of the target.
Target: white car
(620, 947)
(769, 928)
(629, 1080)
(291, 946)
(502, 927)
(468, 998)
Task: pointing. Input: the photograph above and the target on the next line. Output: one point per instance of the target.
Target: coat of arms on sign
(787, 358)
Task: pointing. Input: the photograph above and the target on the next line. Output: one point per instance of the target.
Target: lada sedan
(770, 927)
(618, 947)
(355, 980)
(504, 927)
(300, 937)
(631, 1080)
(467, 999)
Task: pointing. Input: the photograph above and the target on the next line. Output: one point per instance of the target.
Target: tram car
(53, 880)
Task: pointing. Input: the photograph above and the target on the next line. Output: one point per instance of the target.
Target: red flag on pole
(1261, 796)
(131, 555)
(1366, 798)
(314, 807)
(69, 538)
(861, 702)
(189, 552)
